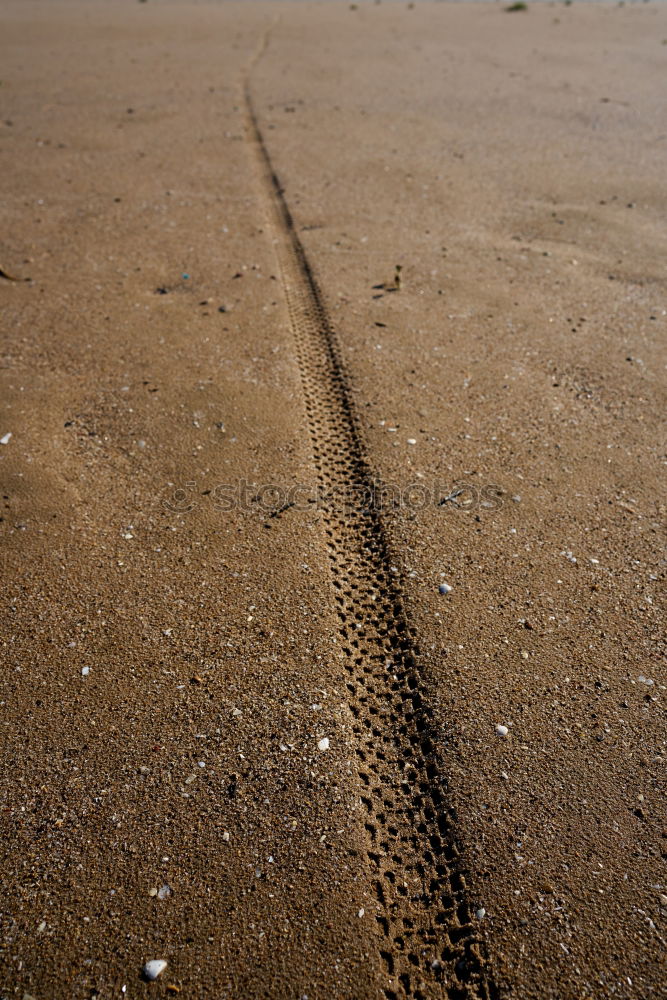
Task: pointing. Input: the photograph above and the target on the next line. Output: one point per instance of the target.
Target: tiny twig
(451, 498)
(10, 277)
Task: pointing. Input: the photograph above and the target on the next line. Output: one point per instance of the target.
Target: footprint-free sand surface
(332, 456)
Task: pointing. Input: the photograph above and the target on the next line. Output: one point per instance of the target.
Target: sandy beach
(332, 446)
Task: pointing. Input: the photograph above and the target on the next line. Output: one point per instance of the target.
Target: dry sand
(258, 743)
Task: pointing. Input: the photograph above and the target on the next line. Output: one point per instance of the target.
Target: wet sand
(244, 731)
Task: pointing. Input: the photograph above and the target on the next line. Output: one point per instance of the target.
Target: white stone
(502, 730)
(323, 744)
(154, 968)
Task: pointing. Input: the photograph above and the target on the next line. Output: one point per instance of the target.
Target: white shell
(323, 744)
(153, 968)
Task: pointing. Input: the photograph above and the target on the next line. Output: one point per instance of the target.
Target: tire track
(428, 942)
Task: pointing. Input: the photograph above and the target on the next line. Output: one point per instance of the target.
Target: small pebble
(154, 968)
(481, 913)
(323, 744)
(164, 892)
(361, 912)
(225, 836)
(412, 441)
(502, 730)
(444, 588)
(85, 671)
(6, 438)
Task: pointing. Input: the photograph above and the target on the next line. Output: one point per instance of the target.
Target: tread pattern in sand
(427, 939)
